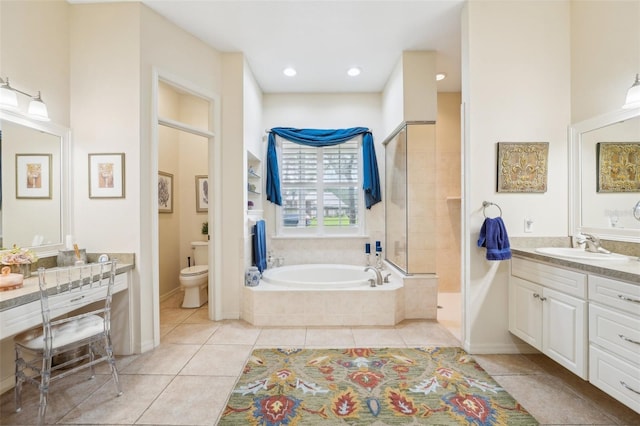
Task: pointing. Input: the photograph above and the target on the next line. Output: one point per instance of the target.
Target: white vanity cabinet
(614, 338)
(548, 310)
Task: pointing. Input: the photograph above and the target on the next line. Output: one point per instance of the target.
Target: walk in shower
(410, 188)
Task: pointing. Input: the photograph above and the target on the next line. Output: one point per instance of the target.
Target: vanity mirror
(609, 214)
(34, 197)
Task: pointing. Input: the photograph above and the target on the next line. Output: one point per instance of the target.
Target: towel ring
(486, 204)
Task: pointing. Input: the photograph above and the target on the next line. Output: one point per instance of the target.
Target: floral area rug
(389, 386)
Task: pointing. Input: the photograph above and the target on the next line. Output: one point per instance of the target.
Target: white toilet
(194, 280)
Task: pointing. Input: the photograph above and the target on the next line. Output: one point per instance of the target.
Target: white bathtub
(318, 276)
(337, 295)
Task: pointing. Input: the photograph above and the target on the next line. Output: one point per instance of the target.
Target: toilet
(194, 280)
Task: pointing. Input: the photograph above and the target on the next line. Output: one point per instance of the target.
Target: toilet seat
(192, 271)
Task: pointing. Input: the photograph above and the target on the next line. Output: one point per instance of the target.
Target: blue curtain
(319, 138)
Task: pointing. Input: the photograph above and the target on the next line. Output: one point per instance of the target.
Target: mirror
(34, 207)
(608, 214)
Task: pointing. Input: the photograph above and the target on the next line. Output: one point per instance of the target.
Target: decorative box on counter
(69, 257)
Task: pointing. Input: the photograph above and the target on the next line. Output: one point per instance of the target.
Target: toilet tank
(200, 252)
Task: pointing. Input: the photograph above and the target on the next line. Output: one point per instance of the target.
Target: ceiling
(321, 39)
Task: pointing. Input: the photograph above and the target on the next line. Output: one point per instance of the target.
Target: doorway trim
(214, 215)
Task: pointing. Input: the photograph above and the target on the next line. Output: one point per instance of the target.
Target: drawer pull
(626, 339)
(628, 299)
(542, 299)
(77, 298)
(536, 296)
(626, 386)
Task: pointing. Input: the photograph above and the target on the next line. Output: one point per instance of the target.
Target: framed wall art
(106, 175)
(522, 166)
(202, 193)
(618, 166)
(165, 192)
(33, 175)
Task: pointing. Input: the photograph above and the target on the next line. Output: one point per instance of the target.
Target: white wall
(183, 59)
(605, 55)
(48, 71)
(517, 74)
(234, 172)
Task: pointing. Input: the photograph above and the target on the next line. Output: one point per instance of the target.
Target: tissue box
(68, 257)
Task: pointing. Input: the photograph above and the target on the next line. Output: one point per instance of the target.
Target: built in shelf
(253, 175)
(253, 192)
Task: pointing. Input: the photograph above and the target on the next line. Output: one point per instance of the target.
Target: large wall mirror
(34, 197)
(609, 212)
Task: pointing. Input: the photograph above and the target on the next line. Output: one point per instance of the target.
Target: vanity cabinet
(614, 338)
(548, 310)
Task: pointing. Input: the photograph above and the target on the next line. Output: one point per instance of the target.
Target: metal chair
(82, 337)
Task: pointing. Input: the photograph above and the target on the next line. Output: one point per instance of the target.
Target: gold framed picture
(106, 175)
(165, 192)
(618, 166)
(33, 175)
(522, 166)
(202, 193)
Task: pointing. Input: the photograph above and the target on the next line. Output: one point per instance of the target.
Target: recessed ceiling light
(353, 71)
(289, 72)
(440, 76)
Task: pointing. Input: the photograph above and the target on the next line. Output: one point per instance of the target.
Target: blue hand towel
(493, 236)
(260, 245)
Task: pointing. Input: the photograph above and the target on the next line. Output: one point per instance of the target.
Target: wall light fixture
(633, 95)
(9, 100)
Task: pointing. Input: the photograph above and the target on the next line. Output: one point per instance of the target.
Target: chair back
(67, 289)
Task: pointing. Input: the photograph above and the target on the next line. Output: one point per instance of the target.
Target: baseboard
(7, 383)
(499, 348)
(146, 346)
(169, 294)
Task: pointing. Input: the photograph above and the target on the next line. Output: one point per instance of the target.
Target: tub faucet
(378, 274)
(593, 243)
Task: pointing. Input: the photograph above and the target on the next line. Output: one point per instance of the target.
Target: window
(320, 187)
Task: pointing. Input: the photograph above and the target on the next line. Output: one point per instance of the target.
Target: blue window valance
(320, 138)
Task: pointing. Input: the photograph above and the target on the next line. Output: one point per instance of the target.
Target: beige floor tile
(281, 337)
(104, 407)
(190, 400)
(168, 358)
(174, 315)
(64, 395)
(166, 328)
(218, 360)
(426, 333)
(329, 338)
(174, 383)
(365, 337)
(550, 402)
(498, 364)
(200, 315)
(196, 333)
(235, 333)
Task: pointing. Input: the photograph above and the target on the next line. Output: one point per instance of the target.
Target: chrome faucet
(378, 274)
(593, 243)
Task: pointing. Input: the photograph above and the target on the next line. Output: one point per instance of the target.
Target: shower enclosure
(410, 194)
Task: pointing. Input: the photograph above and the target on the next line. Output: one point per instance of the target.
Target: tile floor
(187, 379)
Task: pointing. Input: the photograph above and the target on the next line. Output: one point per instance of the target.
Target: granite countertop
(29, 292)
(626, 270)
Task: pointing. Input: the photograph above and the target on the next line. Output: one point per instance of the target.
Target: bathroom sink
(579, 253)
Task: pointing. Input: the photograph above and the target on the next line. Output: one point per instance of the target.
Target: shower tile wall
(320, 250)
(421, 191)
(447, 203)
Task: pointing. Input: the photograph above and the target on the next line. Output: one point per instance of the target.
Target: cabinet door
(525, 311)
(564, 331)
